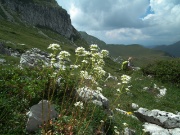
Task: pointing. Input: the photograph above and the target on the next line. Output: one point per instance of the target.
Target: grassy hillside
(142, 56)
(20, 89)
(21, 37)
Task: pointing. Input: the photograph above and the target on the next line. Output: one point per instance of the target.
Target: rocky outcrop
(34, 57)
(52, 17)
(37, 58)
(40, 113)
(164, 119)
(88, 95)
(154, 129)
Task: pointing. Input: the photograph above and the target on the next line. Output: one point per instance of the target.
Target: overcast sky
(145, 22)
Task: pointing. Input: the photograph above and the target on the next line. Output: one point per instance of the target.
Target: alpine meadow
(56, 80)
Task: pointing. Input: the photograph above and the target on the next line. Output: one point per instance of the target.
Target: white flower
(127, 89)
(102, 121)
(125, 78)
(97, 56)
(105, 53)
(74, 66)
(85, 61)
(155, 86)
(119, 84)
(101, 62)
(51, 55)
(85, 75)
(53, 60)
(99, 89)
(79, 104)
(116, 132)
(125, 124)
(80, 51)
(94, 47)
(63, 55)
(145, 88)
(99, 71)
(118, 90)
(115, 127)
(162, 92)
(54, 47)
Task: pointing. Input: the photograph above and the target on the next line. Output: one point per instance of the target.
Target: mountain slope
(173, 49)
(142, 55)
(40, 14)
(26, 24)
(92, 40)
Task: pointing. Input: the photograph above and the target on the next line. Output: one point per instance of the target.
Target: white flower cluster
(80, 51)
(54, 47)
(94, 48)
(116, 131)
(105, 53)
(74, 66)
(94, 60)
(99, 71)
(79, 104)
(63, 55)
(162, 91)
(125, 79)
(85, 75)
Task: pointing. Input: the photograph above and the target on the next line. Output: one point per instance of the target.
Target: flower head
(94, 48)
(105, 53)
(63, 55)
(125, 78)
(54, 47)
(80, 51)
(79, 104)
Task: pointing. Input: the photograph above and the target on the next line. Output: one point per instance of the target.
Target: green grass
(21, 38)
(21, 89)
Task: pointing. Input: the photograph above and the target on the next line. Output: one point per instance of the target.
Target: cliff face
(36, 14)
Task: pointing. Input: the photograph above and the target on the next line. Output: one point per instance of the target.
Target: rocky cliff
(41, 14)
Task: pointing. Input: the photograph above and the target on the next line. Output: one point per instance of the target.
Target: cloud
(104, 15)
(122, 21)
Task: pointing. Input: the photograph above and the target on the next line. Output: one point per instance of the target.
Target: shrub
(164, 70)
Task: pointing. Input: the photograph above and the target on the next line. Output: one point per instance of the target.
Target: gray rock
(153, 129)
(40, 113)
(86, 94)
(34, 57)
(164, 119)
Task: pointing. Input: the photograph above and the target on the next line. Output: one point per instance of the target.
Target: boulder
(164, 119)
(87, 94)
(34, 57)
(40, 113)
(153, 129)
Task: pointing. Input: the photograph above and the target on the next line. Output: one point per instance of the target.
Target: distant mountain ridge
(92, 40)
(173, 49)
(140, 53)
